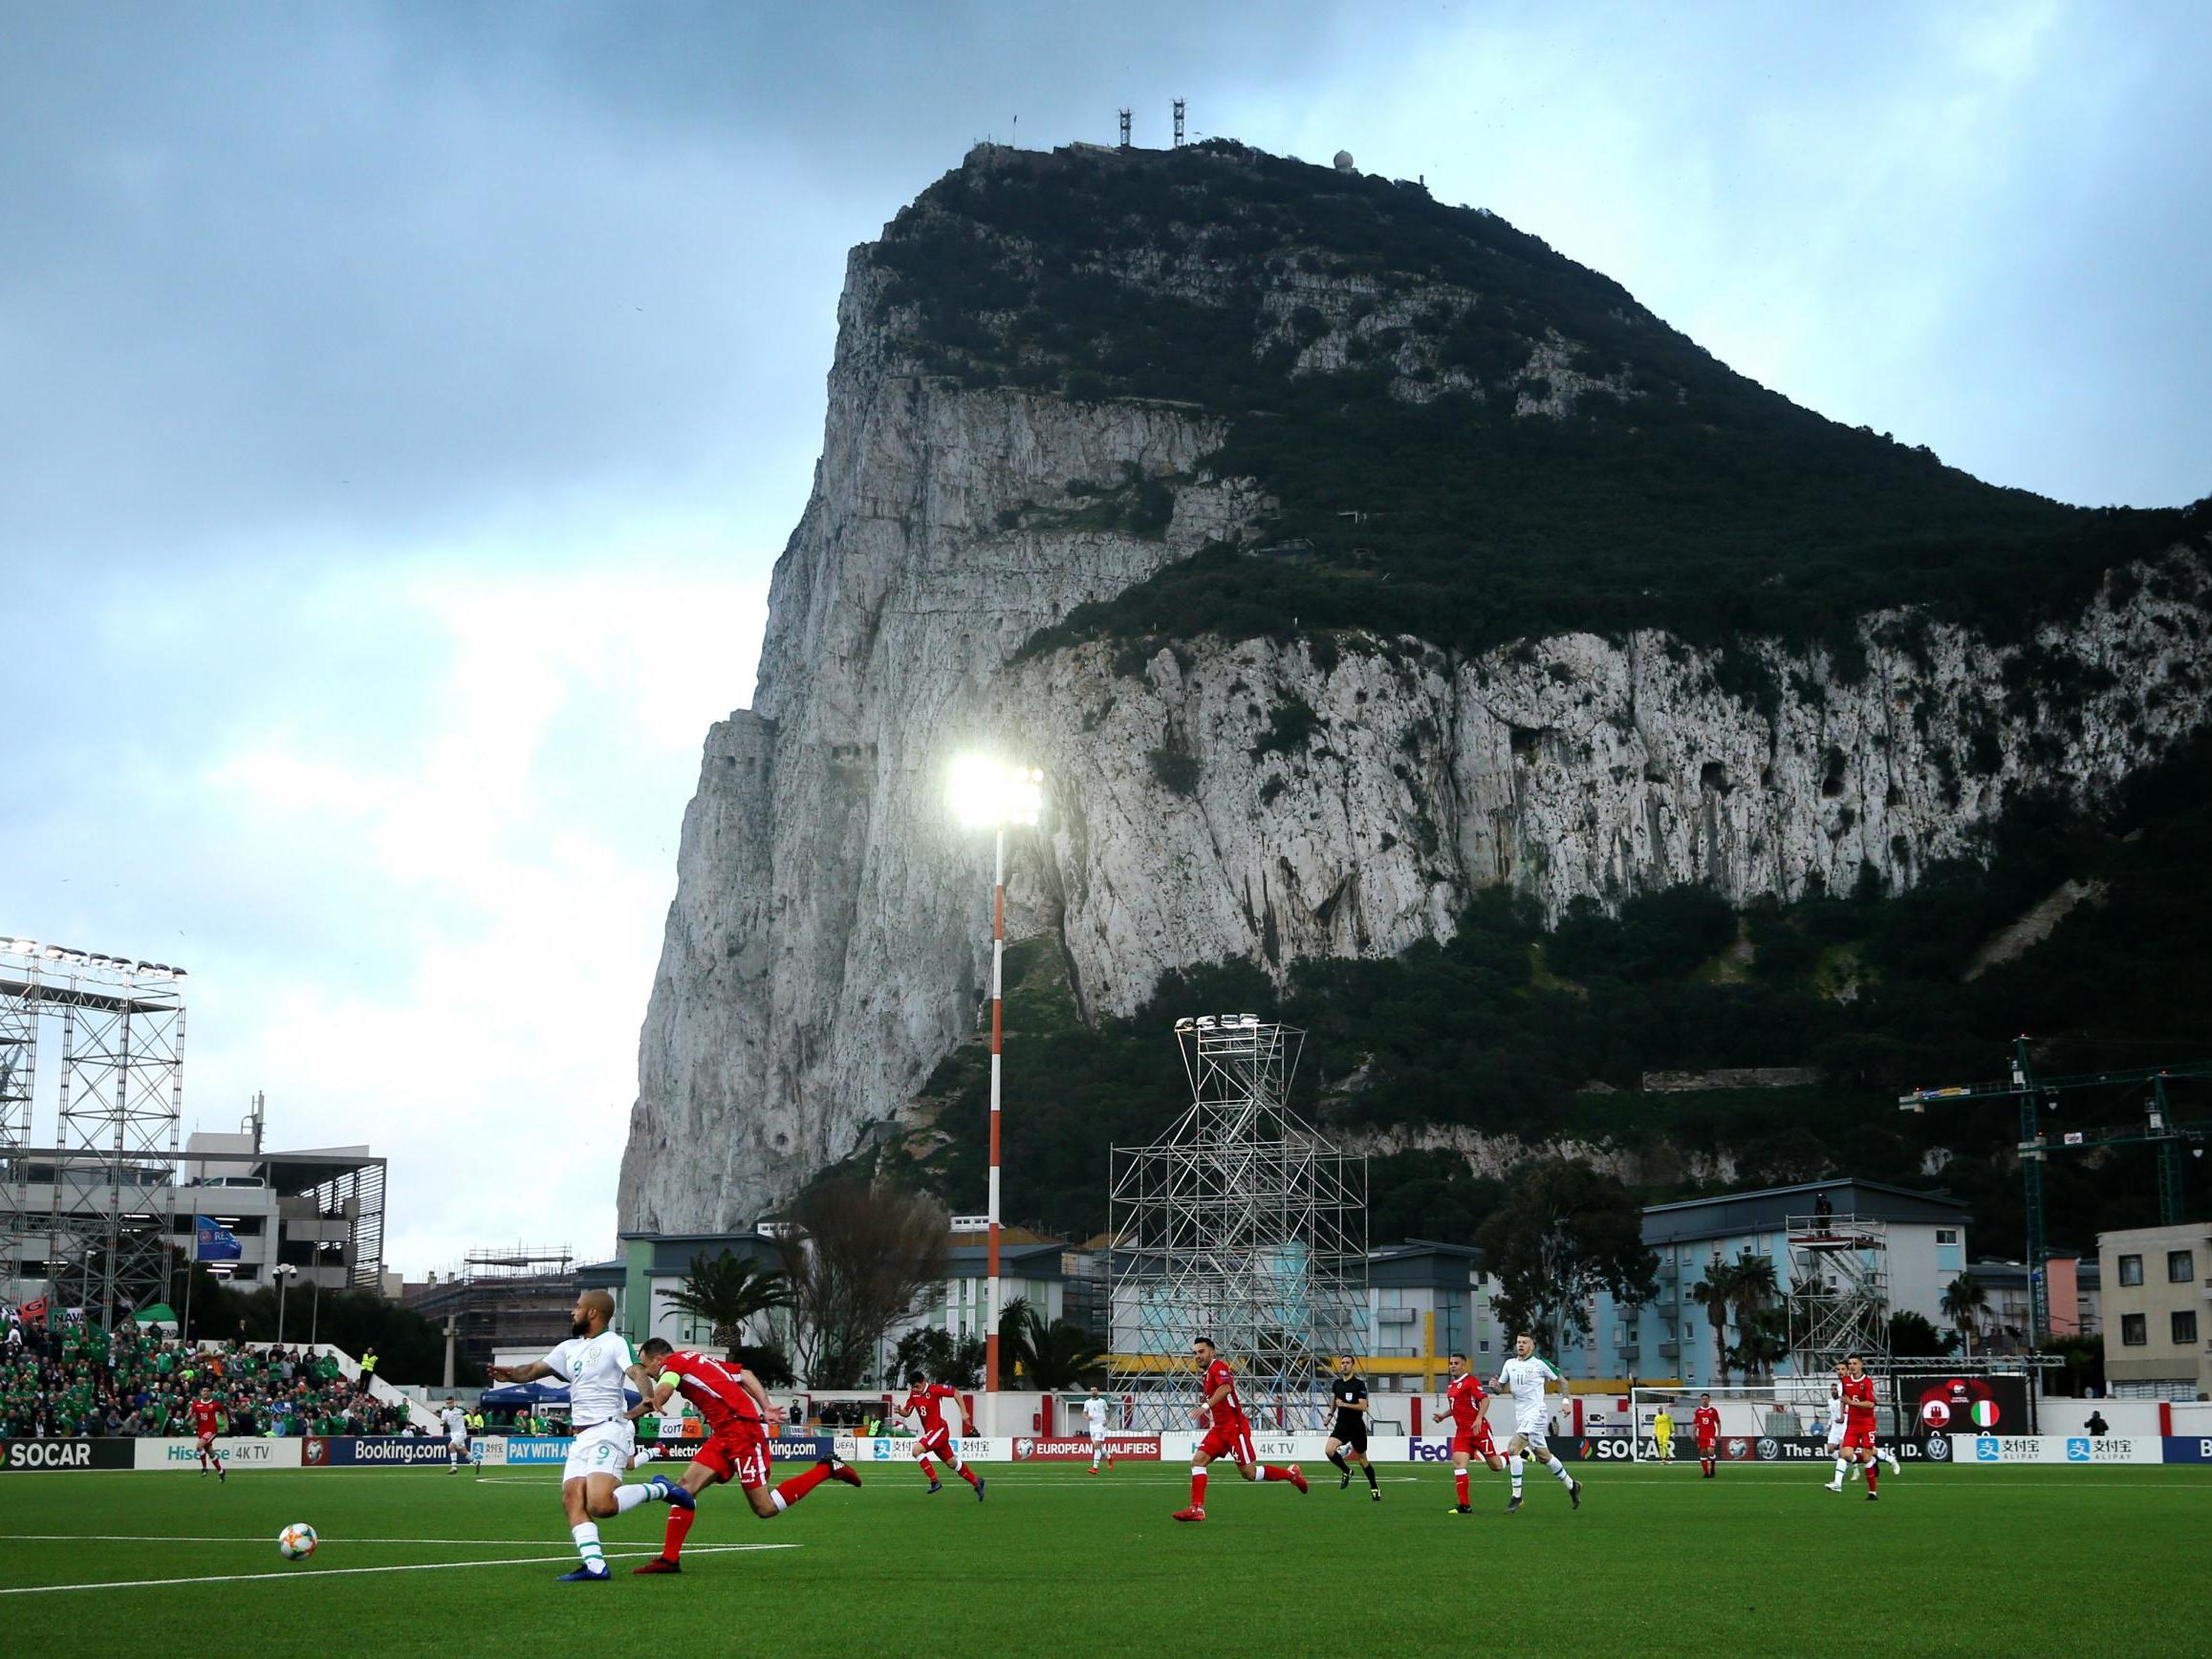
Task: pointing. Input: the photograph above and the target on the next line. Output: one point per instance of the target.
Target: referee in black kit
(1350, 1433)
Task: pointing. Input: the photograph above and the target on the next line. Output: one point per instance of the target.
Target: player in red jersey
(1229, 1432)
(925, 1401)
(1705, 1424)
(739, 1417)
(207, 1424)
(1469, 1406)
(1859, 1417)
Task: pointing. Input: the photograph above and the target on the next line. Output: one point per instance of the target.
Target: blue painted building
(1923, 1249)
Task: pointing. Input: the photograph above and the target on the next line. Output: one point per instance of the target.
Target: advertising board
(2076, 1449)
(26, 1456)
(170, 1453)
(1076, 1447)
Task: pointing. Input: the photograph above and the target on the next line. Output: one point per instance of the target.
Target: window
(2180, 1266)
(2185, 1328)
(2132, 1331)
(1947, 1235)
(2131, 1270)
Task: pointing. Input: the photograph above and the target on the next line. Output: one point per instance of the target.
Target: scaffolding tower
(1241, 1223)
(87, 1220)
(1838, 1292)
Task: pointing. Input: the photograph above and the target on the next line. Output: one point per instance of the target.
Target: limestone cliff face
(1572, 766)
(820, 953)
(1343, 795)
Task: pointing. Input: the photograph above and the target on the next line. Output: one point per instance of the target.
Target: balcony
(1670, 1350)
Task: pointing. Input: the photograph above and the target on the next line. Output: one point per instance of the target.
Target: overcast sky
(401, 408)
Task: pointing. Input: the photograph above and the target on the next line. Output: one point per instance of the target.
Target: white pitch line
(341, 1572)
(230, 1537)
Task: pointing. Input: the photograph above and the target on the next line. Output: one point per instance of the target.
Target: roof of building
(1038, 1260)
(2088, 1274)
(1765, 1210)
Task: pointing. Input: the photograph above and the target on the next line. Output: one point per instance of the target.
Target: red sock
(928, 1470)
(799, 1485)
(968, 1474)
(1869, 1466)
(679, 1524)
(1460, 1481)
(1197, 1489)
(1273, 1472)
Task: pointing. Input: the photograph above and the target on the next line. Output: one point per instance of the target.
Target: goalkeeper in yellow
(1662, 1430)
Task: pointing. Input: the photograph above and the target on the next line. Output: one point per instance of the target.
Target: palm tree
(1763, 1339)
(1713, 1293)
(1060, 1355)
(727, 1292)
(1752, 1288)
(1965, 1301)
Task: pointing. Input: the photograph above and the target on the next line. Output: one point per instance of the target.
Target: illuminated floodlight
(987, 794)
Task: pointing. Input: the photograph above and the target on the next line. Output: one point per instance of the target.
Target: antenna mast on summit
(1125, 129)
(1179, 124)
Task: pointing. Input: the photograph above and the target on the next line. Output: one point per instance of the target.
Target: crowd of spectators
(76, 1380)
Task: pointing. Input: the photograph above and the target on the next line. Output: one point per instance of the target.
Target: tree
(1965, 1301)
(1061, 1355)
(2082, 1366)
(1763, 1337)
(1912, 1337)
(1752, 1287)
(727, 1293)
(937, 1354)
(1713, 1293)
(1565, 1233)
(857, 1258)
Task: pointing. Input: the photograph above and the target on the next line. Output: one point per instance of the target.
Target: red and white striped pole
(987, 793)
(997, 951)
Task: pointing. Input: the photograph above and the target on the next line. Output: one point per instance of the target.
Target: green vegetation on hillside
(1509, 1030)
(1686, 497)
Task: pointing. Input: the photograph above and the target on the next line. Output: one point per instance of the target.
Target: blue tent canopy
(539, 1393)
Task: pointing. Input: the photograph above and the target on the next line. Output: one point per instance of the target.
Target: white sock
(777, 1499)
(1513, 1467)
(1841, 1467)
(587, 1536)
(628, 1497)
(1559, 1472)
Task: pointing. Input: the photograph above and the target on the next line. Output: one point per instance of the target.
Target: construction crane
(2160, 1131)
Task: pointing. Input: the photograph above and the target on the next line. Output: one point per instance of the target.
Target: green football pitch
(2108, 1561)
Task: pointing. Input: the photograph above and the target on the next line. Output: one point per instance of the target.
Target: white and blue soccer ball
(297, 1541)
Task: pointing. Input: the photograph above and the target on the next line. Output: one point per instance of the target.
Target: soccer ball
(297, 1541)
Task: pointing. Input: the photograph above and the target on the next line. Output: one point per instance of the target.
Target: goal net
(1782, 1409)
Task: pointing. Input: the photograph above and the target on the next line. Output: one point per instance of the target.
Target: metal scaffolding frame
(100, 1239)
(1838, 1292)
(1242, 1223)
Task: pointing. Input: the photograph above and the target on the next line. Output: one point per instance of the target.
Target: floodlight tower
(990, 794)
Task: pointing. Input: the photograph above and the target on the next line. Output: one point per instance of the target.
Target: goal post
(1785, 1408)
